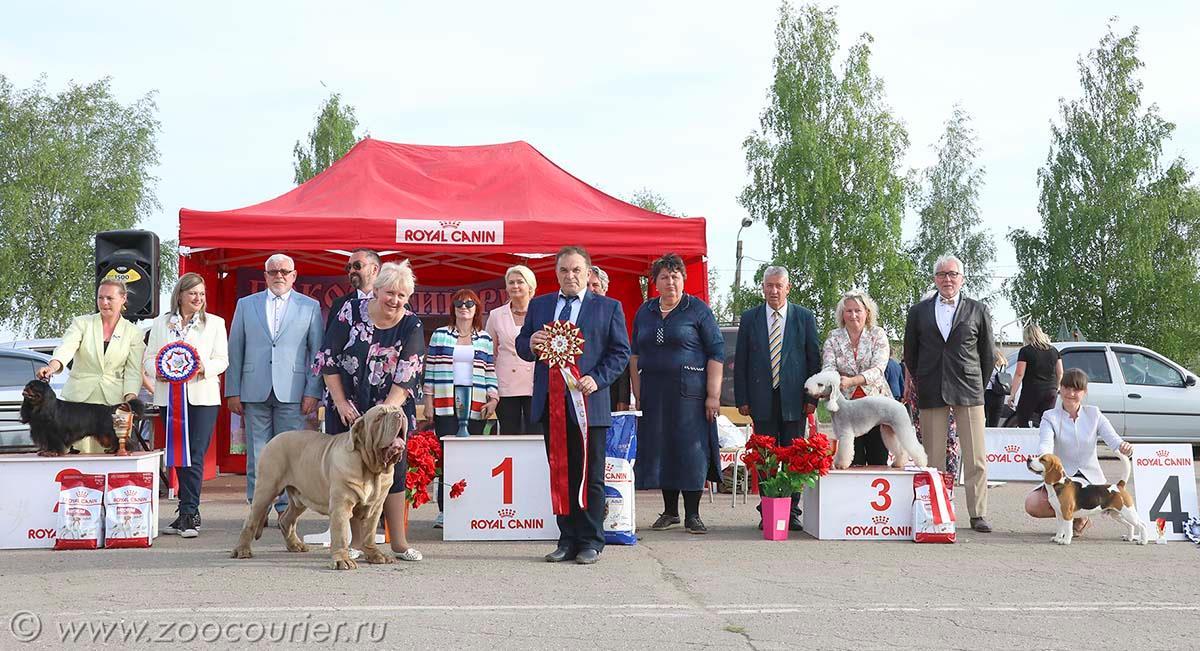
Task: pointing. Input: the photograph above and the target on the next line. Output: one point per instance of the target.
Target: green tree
(648, 199)
(824, 171)
(946, 198)
(1120, 234)
(71, 164)
(329, 140)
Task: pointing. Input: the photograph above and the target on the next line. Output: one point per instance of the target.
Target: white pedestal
(1008, 448)
(29, 492)
(872, 503)
(508, 489)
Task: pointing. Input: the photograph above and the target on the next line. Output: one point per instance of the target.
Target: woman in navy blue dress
(676, 368)
(372, 355)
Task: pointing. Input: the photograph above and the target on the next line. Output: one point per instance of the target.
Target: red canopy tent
(460, 214)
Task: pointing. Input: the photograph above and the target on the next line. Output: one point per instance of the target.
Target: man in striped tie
(777, 349)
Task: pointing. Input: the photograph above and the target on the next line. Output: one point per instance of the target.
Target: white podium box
(1008, 448)
(508, 489)
(29, 487)
(871, 503)
(1164, 486)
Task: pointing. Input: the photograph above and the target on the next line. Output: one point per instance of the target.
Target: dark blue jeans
(201, 420)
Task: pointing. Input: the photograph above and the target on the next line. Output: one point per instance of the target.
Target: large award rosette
(177, 362)
(561, 352)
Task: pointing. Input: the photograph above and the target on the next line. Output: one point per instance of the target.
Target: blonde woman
(514, 375)
(1037, 376)
(187, 320)
(107, 351)
(858, 350)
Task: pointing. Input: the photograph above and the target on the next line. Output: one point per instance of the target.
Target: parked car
(17, 367)
(1148, 397)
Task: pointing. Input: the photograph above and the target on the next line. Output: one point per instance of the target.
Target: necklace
(667, 310)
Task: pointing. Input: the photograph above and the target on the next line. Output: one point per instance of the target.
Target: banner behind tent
(426, 301)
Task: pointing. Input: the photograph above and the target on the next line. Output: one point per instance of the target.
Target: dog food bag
(128, 509)
(620, 454)
(933, 507)
(80, 512)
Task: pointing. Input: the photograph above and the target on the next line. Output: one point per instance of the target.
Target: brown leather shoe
(981, 525)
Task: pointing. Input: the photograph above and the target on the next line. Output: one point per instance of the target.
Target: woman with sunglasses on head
(460, 375)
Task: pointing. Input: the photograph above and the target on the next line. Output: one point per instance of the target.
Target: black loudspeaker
(131, 256)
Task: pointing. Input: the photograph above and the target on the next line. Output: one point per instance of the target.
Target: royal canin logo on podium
(1163, 458)
(450, 231)
(506, 518)
(880, 527)
(1011, 454)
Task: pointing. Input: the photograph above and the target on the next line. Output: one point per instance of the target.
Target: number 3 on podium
(885, 500)
(505, 468)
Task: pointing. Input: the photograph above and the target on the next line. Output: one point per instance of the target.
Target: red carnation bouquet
(783, 470)
(424, 463)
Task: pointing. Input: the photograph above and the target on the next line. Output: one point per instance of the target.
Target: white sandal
(410, 554)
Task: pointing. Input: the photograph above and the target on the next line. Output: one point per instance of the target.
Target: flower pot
(776, 511)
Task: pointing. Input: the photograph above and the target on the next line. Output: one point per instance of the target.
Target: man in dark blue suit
(777, 350)
(605, 354)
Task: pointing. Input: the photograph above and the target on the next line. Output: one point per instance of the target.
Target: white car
(1146, 396)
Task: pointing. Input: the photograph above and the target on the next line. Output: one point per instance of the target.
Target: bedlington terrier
(853, 418)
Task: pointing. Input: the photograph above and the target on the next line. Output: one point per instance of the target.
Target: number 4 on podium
(1176, 515)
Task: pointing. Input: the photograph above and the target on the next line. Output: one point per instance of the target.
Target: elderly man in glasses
(274, 337)
(947, 340)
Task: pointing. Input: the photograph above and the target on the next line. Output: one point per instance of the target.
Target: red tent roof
(358, 200)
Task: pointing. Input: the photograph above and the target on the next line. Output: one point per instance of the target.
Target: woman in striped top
(460, 374)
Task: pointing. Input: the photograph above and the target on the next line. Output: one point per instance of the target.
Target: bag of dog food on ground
(620, 454)
(933, 507)
(128, 504)
(80, 512)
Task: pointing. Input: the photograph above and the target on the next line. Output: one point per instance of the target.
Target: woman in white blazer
(107, 351)
(187, 320)
(1070, 432)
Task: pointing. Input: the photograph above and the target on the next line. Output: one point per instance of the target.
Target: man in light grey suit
(273, 340)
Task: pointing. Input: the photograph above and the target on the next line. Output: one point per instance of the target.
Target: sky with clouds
(625, 95)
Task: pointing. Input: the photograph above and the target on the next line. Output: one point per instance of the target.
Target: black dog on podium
(54, 424)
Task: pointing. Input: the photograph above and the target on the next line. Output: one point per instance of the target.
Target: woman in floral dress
(372, 355)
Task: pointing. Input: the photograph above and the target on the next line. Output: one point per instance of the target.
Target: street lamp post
(737, 272)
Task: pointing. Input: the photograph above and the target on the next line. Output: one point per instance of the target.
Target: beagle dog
(1072, 499)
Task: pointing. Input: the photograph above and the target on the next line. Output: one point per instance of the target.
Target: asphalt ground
(729, 589)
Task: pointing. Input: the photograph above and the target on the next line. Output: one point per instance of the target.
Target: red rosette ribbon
(561, 353)
(177, 362)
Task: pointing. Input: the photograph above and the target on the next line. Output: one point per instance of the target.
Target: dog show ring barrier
(1008, 448)
(870, 503)
(29, 487)
(507, 496)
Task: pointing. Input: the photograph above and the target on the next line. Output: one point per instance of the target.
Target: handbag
(1001, 383)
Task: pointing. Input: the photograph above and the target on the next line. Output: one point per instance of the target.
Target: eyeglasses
(466, 303)
(355, 266)
(952, 275)
(279, 272)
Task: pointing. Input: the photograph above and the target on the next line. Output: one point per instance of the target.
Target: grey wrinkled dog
(853, 418)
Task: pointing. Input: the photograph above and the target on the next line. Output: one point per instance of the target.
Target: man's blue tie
(565, 314)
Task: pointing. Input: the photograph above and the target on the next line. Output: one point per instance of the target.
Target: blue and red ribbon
(177, 363)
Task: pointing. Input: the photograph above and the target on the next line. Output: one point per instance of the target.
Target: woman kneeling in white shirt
(1070, 431)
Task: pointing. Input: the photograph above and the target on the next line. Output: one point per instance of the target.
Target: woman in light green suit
(107, 350)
